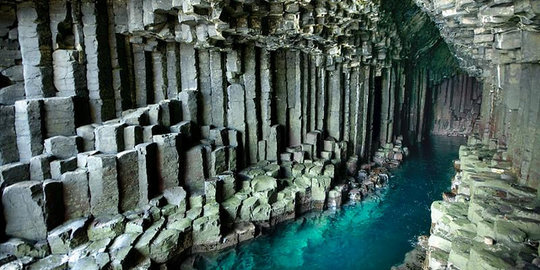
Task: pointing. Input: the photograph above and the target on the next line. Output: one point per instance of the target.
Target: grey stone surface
(188, 69)
(70, 235)
(12, 93)
(63, 147)
(219, 135)
(248, 81)
(13, 173)
(150, 131)
(175, 196)
(194, 171)
(231, 158)
(110, 138)
(40, 167)
(76, 193)
(190, 100)
(168, 160)
(29, 128)
(58, 167)
(28, 200)
(133, 135)
(69, 77)
(34, 39)
(184, 127)
(103, 184)
(98, 66)
(147, 153)
(137, 116)
(82, 158)
(218, 161)
(128, 179)
(59, 116)
(274, 144)
(87, 134)
(8, 141)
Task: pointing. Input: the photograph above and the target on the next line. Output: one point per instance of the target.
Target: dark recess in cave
(375, 136)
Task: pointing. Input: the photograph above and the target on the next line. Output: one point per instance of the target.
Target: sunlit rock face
(152, 129)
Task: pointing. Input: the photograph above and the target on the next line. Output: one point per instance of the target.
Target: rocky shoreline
(488, 220)
(233, 209)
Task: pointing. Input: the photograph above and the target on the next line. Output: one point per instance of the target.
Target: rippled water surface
(374, 234)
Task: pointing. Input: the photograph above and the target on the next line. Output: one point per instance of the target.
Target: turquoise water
(374, 234)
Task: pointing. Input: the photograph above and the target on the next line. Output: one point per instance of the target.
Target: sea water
(373, 234)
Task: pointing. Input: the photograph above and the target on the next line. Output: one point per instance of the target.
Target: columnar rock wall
(488, 221)
(456, 106)
(119, 103)
(11, 68)
(498, 41)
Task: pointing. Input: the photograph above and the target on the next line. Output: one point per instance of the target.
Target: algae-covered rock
(483, 258)
(437, 259)
(69, 235)
(261, 212)
(440, 242)
(21, 248)
(263, 183)
(206, 230)
(245, 231)
(507, 231)
(211, 209)
(459, 253)
(231, 207)
(165, 245)
(247, 208)
(143, 243)
(51, 262)
(106, 227)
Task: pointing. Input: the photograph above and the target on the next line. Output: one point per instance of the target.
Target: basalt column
(180, 126)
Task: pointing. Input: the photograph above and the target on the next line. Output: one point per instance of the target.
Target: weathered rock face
(456, 106)
(146, 115)
(181, 125)
(489, 221)
(498, 42)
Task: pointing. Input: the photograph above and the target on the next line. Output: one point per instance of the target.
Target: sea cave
(270, 134)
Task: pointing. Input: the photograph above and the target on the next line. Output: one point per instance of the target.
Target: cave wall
(117, 102)
(497, 42)
(455, 106)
